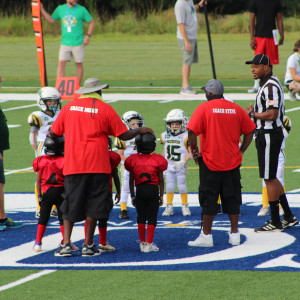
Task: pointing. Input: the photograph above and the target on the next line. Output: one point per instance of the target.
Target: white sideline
(26, 279)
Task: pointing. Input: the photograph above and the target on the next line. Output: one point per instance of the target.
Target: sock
(142, 232)
(102, 235)
(123, 206)
(274, 207)
(184, 198)
(61, 227)
(85, 232)
(170, 197)
(285, 206)
(219, 200)
(40, 232)
(150, 233)
(3, 220)
(265, 200)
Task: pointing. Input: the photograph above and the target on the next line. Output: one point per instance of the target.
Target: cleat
(54, 213)
(168, 211)
(252, 90)
(290, 222)
(64, 250)
(202, 241)
(264, 211)
(106, 248)
(188, 91)
(269, 227)
(185, 210)
(234, 238)
(90, 250)
(37, 214)
(9, 223)
(219, 211)
(150, 248)
(143, 246)
(2, 227)
(292, 96)
(37, 247)
(74, 248)
(124, 214)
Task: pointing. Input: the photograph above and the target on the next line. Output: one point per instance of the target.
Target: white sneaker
(234, 238)
(151, 248)
(168, 211)
(106, 248)
(264, 211)
(37, 214)
(143, 246)
(253, 90)
(281, 212)
(202, 240)
(188, 91)
(292, 96)
(37, 247)
(185, 210)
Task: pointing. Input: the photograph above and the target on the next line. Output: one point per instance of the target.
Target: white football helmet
(48, 93)
(176, 115)
(132, 115)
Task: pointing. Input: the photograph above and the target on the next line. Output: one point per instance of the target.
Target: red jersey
(115, 159)
(50, 168)
(145, 167)
(86, 126)
(220, 123)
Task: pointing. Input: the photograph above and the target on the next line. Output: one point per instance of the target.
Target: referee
(268, 115)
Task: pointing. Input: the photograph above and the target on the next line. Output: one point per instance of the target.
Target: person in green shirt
(4, 145)
(71, 16)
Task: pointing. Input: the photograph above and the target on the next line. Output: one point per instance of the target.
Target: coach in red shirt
(86, 123)
(219, 123)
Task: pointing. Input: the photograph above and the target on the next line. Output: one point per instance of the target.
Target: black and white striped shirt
(270, 96)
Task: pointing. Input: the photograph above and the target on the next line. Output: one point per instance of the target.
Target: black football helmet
(54, 146)
(145, 143)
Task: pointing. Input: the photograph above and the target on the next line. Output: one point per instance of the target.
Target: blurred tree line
(108, 9)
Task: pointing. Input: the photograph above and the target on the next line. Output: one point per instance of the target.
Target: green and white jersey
(129, 147)
(175, 147)
(71, 19)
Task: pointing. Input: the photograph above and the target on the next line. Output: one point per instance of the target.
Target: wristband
(195, 150)
(89, 35)
(251, 114)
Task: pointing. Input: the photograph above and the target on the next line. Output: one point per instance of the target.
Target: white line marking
(17, 171)
(20, 107)
(26, 279)
(292, 109)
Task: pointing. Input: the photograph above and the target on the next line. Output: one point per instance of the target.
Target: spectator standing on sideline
(86, 123)
(268, 115)
(264, 14)
(187, 28)
(292, 75)
(4, 145)
(71, 16)
(219, 123)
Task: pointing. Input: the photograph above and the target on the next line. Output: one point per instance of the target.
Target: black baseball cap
(259, 59)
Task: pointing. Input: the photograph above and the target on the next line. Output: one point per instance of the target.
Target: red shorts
(268, 47)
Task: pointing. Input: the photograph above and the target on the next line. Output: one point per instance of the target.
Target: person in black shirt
(264, 14)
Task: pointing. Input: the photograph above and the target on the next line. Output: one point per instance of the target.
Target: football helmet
(287, 123)
(145, 143)
(109, 143)
(176, 115)
(54, 146)
(132, 115)
(48, 93)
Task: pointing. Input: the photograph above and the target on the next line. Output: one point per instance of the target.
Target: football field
(177, 271)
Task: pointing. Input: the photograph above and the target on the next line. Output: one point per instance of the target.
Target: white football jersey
(129, 146)
(43, 122)
(175, 147)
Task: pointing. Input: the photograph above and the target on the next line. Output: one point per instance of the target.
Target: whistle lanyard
(73, 13)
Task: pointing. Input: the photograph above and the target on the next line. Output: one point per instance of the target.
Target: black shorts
(268, 145)
(2, 177)
(147, 203)
(86, 195)
(227, 184)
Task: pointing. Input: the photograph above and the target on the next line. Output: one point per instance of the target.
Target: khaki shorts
(189, 57)
(66, 53)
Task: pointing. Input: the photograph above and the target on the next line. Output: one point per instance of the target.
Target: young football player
(177, 153)
(50, 186)
(146, 172)
(115, 159)
(132, 120)
(284, 207)
(48, 99)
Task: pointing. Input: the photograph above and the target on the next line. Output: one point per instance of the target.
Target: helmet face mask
(133, 117)
(145, 143)
(47, 94)
(176, 115)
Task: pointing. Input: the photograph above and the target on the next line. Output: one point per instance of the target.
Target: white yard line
(19, 107)
(26, 279)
